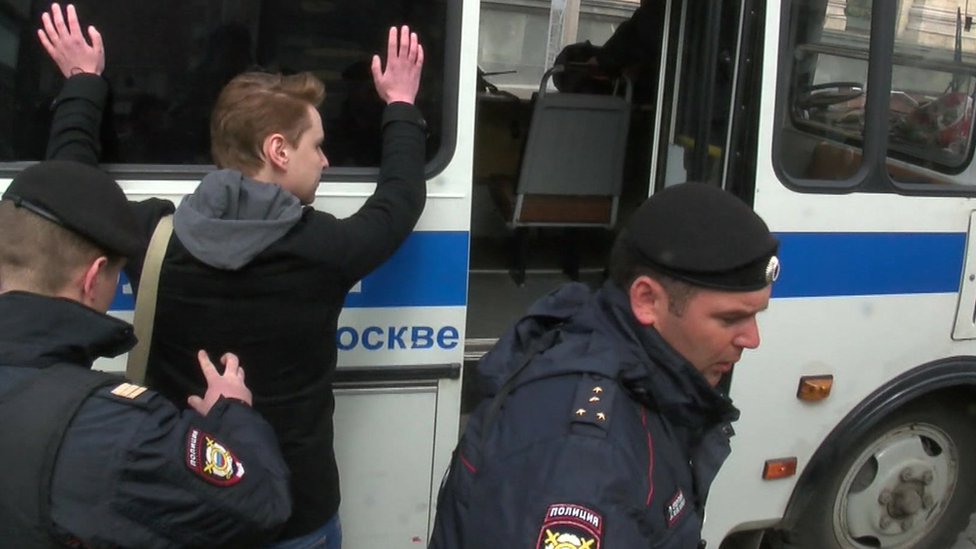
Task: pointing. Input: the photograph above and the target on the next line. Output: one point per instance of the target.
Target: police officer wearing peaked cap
(86, 459)
(602, 428)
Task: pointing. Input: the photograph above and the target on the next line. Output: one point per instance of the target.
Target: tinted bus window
(167, 61)
(823, 122)
(933, 83)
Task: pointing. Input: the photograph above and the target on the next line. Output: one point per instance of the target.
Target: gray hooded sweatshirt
(232, 218)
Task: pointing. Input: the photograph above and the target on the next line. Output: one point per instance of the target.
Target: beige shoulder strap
(135, 368)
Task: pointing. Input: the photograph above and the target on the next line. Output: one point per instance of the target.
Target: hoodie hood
(231, 218)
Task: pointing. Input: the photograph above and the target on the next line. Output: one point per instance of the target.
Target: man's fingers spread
(96, 39)
(376, 69)
(420, 55)
(73, 25)
(391, 47)
(206, 366)
(414, 43)
(231, 363)
(52, 34)
(59, 20)
(196, 403)
(404, 41)
(42, 36)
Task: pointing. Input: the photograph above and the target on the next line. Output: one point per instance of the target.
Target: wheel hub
(894, 493)
(908, 497)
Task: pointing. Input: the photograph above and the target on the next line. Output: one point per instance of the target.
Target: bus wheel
(909, 484)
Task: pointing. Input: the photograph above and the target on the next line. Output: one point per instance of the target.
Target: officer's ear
(648, 300)
(96, 282)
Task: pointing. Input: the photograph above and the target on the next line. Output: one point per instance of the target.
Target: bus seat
(834, 162)
(502, 122)
(571, 171)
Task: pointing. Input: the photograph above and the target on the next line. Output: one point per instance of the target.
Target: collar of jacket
(39, 331)
(656, 375)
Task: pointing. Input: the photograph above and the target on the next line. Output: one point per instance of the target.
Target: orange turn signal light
(779, 468)
(815, 387)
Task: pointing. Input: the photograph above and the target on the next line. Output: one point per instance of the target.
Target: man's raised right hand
(404, 61)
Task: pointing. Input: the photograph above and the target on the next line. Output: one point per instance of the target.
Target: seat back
(574, 153)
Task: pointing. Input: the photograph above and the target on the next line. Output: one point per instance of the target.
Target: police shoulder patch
(211, 460)
(570, 526)
(128, 390)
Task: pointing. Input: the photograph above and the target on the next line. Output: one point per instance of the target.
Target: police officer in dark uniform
(87, 460)
(602, 427)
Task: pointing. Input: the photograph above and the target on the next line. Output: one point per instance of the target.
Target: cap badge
(772, 270)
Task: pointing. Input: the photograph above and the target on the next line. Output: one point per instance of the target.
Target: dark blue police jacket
(87, 460)
(595, 434)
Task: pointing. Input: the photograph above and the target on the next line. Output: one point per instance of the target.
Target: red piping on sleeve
(468, 465)
(650, 457)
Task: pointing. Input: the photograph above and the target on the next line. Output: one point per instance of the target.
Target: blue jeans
(329, 536)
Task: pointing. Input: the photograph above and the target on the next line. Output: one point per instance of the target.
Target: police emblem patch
(210, 459)
(569, 526)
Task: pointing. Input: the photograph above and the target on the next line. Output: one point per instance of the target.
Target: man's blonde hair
(39, 256)
(254, 105)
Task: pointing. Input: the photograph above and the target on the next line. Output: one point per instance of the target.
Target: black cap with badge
(706, 237)
(82, 199)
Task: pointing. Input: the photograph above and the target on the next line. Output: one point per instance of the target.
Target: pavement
(967, 540)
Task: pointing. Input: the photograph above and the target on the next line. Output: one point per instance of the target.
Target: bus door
(558, 236)
(401, 334)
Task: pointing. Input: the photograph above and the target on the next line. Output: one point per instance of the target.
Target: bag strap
(135, 368)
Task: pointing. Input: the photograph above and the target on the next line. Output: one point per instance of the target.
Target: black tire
(825, 524)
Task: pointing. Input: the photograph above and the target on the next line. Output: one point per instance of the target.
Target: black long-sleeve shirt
(279, 312)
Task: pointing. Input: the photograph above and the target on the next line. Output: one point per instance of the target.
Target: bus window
(167, 61)
(8, 62)
(933, 83)
(514, 35)
(823, 124)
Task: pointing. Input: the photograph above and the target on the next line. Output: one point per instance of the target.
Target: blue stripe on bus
(844, 264)
(430, 269)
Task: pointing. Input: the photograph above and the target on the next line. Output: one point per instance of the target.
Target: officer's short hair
(699, 236)
(38, 255)
(254, 105)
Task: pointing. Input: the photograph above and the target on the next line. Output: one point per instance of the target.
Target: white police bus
(846, 124)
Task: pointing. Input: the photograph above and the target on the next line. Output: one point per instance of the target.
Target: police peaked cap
(705, 236)
(82, 199)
